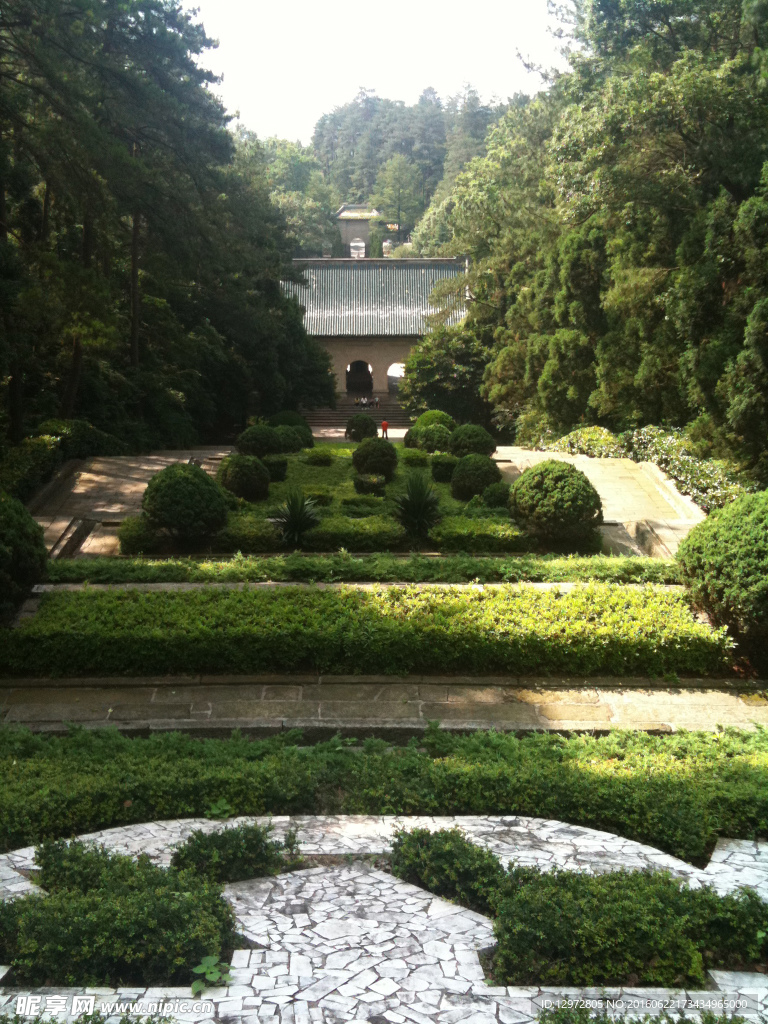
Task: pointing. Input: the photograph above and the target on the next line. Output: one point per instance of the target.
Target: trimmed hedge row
(381, 568)
(459, 533)
(678, 792)
(591, 630)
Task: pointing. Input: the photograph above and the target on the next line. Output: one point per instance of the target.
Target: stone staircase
(389, 410)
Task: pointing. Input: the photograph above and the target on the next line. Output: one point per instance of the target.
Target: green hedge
(373, 533)
(384, 568)
(234, 854)
(29, 465)
(596, 629)
(247, 533)
(616, 928)
(459, 533)
(678, 792)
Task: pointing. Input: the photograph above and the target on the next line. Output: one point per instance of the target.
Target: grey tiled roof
(369, 297)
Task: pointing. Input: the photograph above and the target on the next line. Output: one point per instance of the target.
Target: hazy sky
(286, 64)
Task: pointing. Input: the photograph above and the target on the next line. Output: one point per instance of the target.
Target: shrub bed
(384, 568)
(459, 533)
(617, 928)
(110, 920)
(234, 854)
(597, 629)
(414, 457)
(370, 483)
(247, 533)
(677, 792)
(374, 533)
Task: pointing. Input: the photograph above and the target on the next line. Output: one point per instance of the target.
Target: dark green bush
(370, 483)
(434, 438)
(460, 533)
(496, 495)
(110, 920)
(361, 426)
(259, 440)
(555, 500)
(23, 555)
(81, 440)
(471, 440)
(234, 854)
(138, 536)
(319, 459)
(306, 436)
(433, 416)
(411, 438)
(288, 418)
(472, 475)
(321, 496)
(372, 533)
(418, 508)
(570, 928)
(443, 467)
(291, 439)
(414, 457)
(296, 516)
(276, 466)
(245, 476)
(185, 501)
(375, 455)
(595, 629)
(725, 564)
(29, 465)
(446, 864)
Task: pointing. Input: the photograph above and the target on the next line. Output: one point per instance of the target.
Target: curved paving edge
(354, 944)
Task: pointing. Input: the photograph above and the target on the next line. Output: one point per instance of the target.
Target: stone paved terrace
(353, 944)
(395, 708)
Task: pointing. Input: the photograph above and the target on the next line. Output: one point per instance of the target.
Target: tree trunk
(73, 386)
(135, 296)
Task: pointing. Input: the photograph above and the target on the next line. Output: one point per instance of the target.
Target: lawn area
(595, 629)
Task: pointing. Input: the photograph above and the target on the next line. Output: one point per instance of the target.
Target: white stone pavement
(353, 944)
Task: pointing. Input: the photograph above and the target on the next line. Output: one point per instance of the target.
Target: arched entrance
(359, 377)
(394, 375)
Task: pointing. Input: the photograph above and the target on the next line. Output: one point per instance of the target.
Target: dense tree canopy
(140, 255)
(618, 229)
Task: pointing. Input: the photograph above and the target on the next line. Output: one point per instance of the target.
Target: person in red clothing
(384, 429)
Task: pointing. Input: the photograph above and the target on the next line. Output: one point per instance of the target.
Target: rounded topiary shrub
(725, 564)
(276, 466)
(290, 439)
(415, 457)
(259, 440)
(555, 501)
(411, 439)
(246, 476)
(443, 467)
(319, 459)
(471, 440)
(23, 555)
(361, 426)
(377, 456)
(472, 475)
(434, 437)
(433, 416)
(185, 501)
(496, 495)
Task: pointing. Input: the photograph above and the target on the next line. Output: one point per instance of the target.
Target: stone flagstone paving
(354, 944)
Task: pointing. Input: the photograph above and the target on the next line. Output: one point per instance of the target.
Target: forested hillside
(618, 228)
(140, 254)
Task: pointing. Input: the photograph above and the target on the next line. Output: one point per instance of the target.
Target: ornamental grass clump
(186, 502)
(418, 508)
(245, 476)
(296, 516)
(556, 502)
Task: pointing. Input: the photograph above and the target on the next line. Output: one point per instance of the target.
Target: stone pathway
(637, 496)
(354, 944)
(389, 707)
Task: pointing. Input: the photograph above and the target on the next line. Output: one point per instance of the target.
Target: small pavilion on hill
(368, 314)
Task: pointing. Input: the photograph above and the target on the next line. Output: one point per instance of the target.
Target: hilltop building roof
(356, 211)
(379, 297)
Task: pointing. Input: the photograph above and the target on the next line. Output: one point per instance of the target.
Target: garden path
(353, 944)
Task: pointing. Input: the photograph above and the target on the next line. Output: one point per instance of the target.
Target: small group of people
(368, 403)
